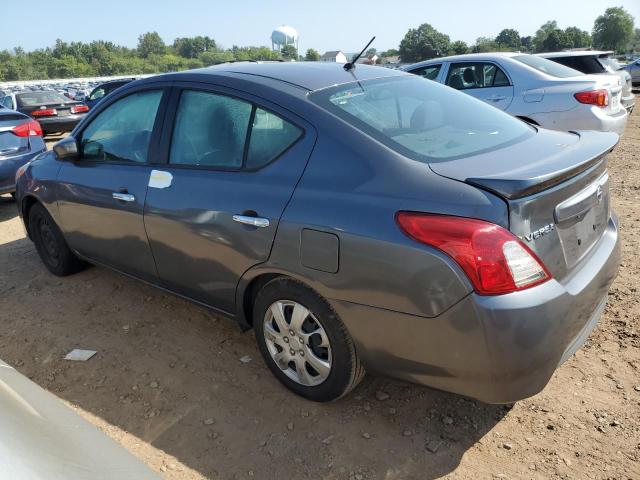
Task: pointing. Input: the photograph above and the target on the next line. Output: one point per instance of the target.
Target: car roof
(579, 53)
(307, 75)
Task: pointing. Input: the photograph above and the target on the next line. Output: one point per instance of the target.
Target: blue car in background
(634, 69)
(20, 141)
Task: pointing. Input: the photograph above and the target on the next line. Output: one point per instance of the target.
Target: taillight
(79, 109)
(28, 129)
(594, 97)
(45, 112)
(495, 260)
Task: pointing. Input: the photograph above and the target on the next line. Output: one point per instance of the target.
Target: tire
(320, 340)
(51, 245)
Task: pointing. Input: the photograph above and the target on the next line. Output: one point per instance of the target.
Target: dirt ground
(168, 384)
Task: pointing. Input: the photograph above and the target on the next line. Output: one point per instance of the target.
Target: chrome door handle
(253, 221)
(124, 197)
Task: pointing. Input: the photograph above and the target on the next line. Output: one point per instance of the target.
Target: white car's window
(467, 75)
(422, 120)
(430, 72)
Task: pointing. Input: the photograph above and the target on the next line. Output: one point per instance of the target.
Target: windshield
(32, 99)
(422, 119)
(547, 66)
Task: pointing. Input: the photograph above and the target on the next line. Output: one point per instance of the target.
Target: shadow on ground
(169, 373)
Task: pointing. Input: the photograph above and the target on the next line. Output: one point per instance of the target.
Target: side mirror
(67, 149)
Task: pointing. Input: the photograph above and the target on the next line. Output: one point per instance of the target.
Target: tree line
(614, 30)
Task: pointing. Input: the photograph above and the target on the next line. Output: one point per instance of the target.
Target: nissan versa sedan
(534, 89)
(355, 219)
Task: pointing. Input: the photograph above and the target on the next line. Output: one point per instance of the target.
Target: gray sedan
(355, 219)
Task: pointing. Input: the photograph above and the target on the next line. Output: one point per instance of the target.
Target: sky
(323, 25)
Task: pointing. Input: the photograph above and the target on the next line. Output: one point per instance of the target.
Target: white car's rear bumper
(583, 117)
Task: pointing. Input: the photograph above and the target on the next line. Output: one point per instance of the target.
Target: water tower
(282, 36)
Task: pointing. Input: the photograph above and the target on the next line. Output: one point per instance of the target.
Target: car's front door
(213, 208)
(102, 194)
(483, 80)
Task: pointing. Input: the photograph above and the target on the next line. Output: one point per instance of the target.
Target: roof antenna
(352, 64)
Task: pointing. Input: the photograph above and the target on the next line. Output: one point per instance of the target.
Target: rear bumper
(60, 124)
(628, 102)
(583, 117)
(497, 349)
(9, 167)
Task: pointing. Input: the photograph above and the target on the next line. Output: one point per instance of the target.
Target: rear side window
(122, 131)
(429, 72)
(464, 76)
(7, 102)
(422, 120)
(218, 131)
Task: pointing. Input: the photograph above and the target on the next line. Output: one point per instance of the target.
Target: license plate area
(64, 113)
(582, 219)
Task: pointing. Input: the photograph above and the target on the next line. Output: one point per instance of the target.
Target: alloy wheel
(297, 342)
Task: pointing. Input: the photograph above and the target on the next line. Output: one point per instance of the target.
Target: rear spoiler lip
(514, 189)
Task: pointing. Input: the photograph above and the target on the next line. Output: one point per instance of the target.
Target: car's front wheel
(50, 243)
(304, 343)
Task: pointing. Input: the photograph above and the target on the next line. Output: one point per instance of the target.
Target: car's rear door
(212, 210)
(101, 195)
(486, 81)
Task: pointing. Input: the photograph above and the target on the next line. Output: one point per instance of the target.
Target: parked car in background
(20, 141)
(534, 89)
(597, 62)
(634, 70)
(105, 89)
(54, 112)
(355, 219)
(41, 438)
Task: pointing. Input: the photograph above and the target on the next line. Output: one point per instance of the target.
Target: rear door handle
(497, 98)
(123, 197)
(253, 221)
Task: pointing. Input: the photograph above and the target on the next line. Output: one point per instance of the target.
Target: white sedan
(534, 89)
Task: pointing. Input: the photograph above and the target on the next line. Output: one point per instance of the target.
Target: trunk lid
(557, 189)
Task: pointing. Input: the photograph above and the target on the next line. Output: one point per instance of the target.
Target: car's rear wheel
(304, 343)
(50, 243)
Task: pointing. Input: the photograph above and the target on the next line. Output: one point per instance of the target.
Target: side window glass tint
(270, 136)
(500, 79)
(476, 75)
(7, 102)
(99, 93)
(122, 132)
(430, 73)
(210, 130)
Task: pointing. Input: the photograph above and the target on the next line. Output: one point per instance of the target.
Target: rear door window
(468, 75)
(218, 131)
(7, 102)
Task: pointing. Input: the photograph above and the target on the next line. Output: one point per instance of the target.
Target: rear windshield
(33, 99)
(583, 63)
(547, 66)
(422, 119)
